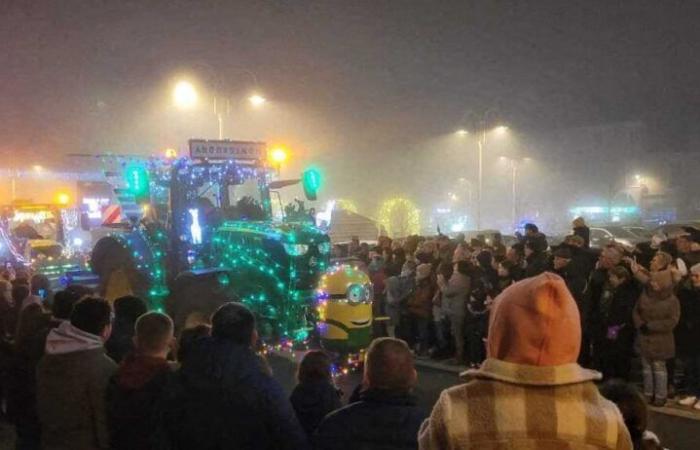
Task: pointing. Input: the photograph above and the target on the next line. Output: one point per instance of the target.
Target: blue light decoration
(195, 228)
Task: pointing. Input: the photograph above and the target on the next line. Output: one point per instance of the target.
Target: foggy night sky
(357, 84)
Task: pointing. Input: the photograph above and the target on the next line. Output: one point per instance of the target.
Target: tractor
(199, 231)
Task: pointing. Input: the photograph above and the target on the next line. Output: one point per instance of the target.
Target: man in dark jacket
(72, 378)
(386, 417)
(535, 258)
(563, 266)
(126, 310)
(137, 386)
(687, 335)
(224, 396)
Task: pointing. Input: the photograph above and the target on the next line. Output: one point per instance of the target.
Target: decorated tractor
(201, 232)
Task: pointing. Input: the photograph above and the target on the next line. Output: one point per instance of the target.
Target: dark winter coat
(312, 401)
(224, 397)
(585, 233)
(617, 324)
(132, 395)
(537, 263)
(420, 304)
(577, 286)
(655, 316)
(381, 420)
(687, 332)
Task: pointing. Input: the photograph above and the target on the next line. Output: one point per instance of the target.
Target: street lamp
(257, 100)
(481, 142)
(185, 95)
(277, 156)
(514, 163)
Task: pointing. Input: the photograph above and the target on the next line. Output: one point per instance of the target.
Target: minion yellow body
(345, 310)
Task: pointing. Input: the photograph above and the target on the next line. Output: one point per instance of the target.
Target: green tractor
(202, 232)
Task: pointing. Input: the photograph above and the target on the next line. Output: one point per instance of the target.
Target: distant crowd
(531, 322)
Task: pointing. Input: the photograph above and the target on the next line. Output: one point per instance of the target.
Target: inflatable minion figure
(345, 310)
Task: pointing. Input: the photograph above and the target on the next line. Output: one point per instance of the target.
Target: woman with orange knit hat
(530, 392)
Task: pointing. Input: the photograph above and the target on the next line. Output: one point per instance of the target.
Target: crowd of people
(535, 325)
(638, 308)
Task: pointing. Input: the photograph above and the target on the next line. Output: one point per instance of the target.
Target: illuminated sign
(94, 206)
(200, 148)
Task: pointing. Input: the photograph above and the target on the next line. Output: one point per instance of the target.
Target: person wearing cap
(561, 262)
(530, 392)
(581, 229)
(687, 335)
(420, 307)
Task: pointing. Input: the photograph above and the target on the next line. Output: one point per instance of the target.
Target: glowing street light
(170, 153)
(501, 129)
(185, 95)
(278, 156)
(62, 198)
(461, 132)
(257, 100)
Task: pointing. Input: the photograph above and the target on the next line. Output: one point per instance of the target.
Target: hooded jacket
(132, 394)
(71, 381)
(656, 314)
(312, 401)
(529, 393)
(223, 394)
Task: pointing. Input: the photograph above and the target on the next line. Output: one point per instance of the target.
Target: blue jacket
(223, 398)
(381, 420)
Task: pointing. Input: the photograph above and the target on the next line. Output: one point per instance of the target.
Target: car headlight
(296, 249)
(324, 248)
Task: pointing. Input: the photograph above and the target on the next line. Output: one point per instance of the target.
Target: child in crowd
(315, 396)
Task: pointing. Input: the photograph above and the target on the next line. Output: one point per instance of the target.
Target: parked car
(640, 232)
(602, 236)
(672, 230)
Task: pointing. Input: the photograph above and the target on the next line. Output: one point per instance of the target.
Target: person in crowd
(137, 386)
(441, 324)
(533, 234)
(687, 336)
(562, 263)
(8, 312)
(398, 291)
(72, 378)
(398, 259)
(581, 230)
(41, 289)
(655, 315)
(536, 261)
(188, 337)
(224, 394)
(597, 287)
(476, 317)
(685, 251)
(583, 259)
(634, 412)
(377, 275)
(21, 298)
(506, 276)
(534, 340)
(616, 336)
(455, 295)
(420, 307)
(316, 395)
(386, 416)
(126, 310)
(516, 255)
(499, 249)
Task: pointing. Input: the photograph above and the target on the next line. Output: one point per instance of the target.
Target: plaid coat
(512, 406)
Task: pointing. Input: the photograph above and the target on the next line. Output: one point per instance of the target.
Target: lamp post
(514, 163)
(185, 96)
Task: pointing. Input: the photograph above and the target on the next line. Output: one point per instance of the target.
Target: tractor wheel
(195, 297)
(117, 271)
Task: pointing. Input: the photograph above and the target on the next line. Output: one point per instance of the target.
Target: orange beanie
(535, 322)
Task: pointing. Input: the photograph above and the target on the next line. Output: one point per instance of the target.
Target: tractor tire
(116, 268)
(194, 298)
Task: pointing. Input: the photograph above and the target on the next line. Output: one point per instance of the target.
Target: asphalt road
(675, 431)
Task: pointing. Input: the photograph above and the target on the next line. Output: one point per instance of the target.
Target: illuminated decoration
(344, 308)
(170, 153)
(195, 228)
(138, 181)
(278, 155)
(274, 270)
(399, 217)
(32, 216)
(94, 206)
(311, 181)
(615, 210)
(346, 205)
(62, 198)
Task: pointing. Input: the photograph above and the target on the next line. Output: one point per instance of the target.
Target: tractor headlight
(296, 249)
(324, 248)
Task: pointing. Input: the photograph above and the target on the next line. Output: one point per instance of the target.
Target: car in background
(602, 236)
(640, 232)
(673, 230)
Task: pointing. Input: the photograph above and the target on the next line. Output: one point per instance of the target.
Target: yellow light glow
(462, 132)
(278, 155)
(170, 153)
(185, 95)
(257, 100)
(501, 129)
(62, 198)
